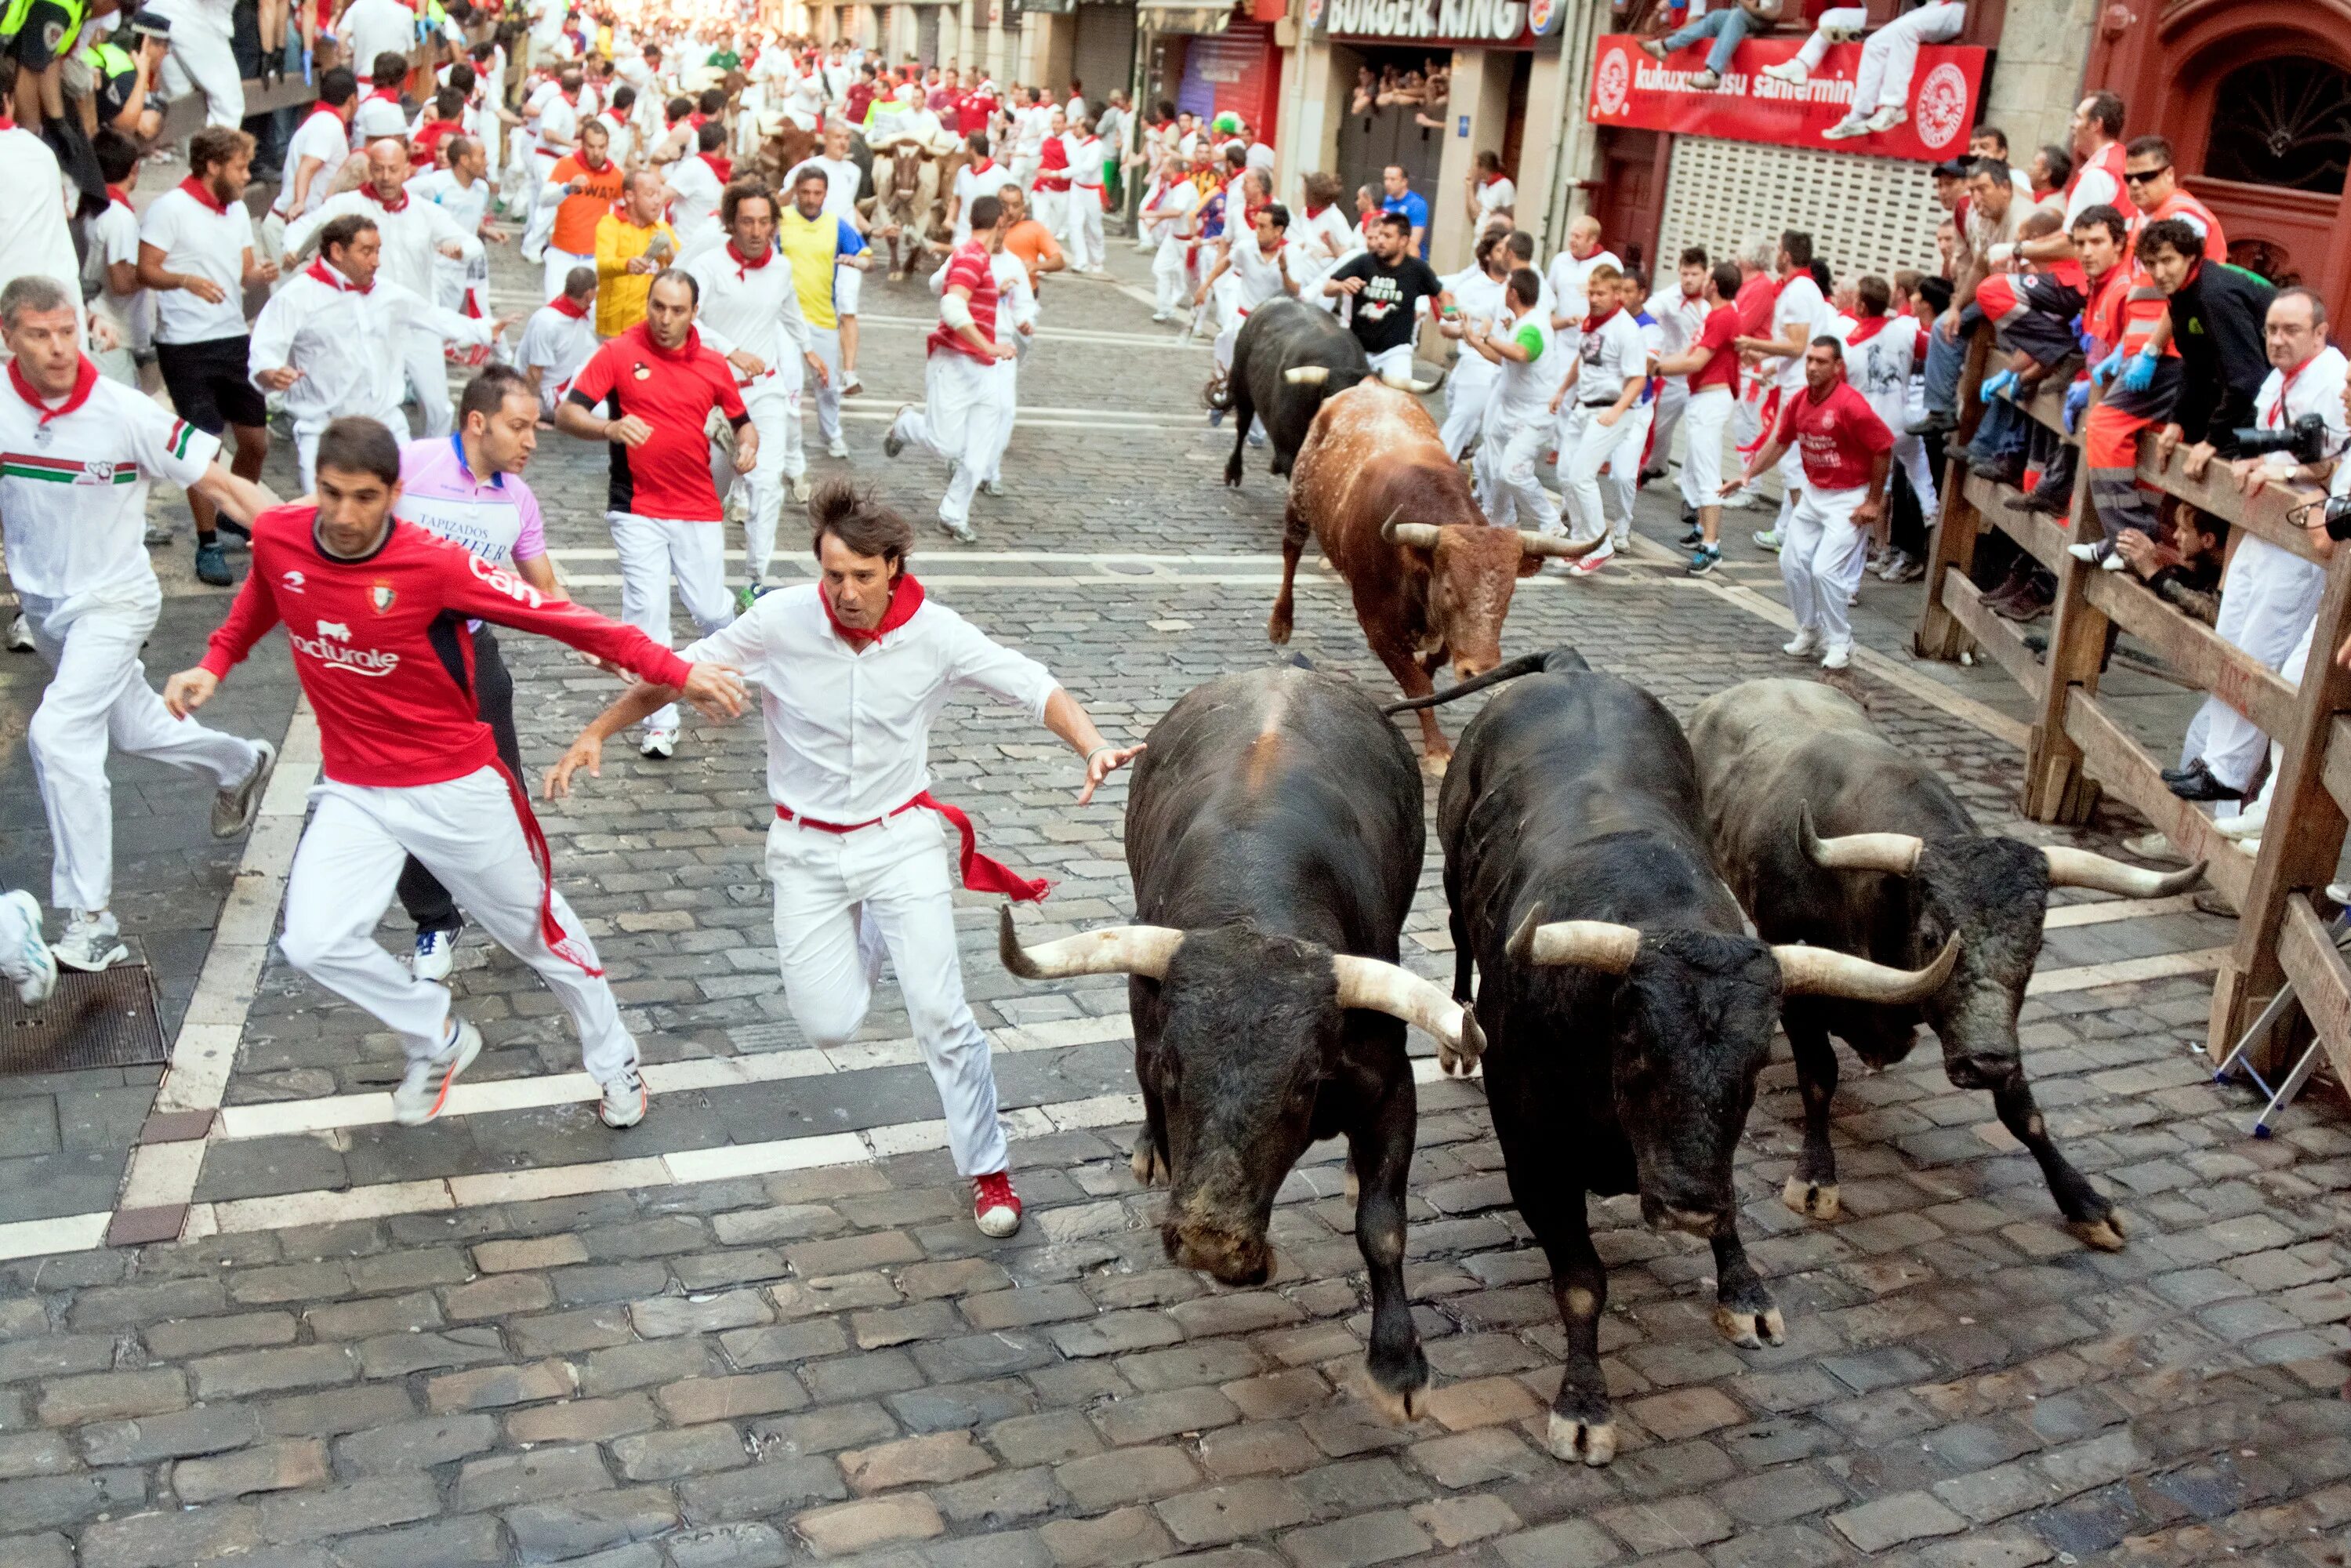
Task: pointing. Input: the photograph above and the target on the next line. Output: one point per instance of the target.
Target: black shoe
(1697, 536)
(2039, 504)
(1998, 470)
(2197, 783)
(1934, 421)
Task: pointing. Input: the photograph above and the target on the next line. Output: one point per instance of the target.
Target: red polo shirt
(673, 391)
(1836, 435)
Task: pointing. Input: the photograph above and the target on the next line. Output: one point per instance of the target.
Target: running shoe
(436, 955)
(1844, 131)
(1703, 559)
(850, 383)
(1590, 565)
(20, 636)
(1705, 80)
(838, 447)
(2154, 847)
(2093, 553)
(994, 1205)
(236, 805)
(625, 1102)
(750, 593)
(1840, 655)
(959, 532)
(28, 960)
(212, 565)
(991, 487)
(1885, 120)
(424, 1088)
(658, 744)
(893, 444)
(801, 489)
(1695, 536)
(1792, 72)
(1907, 568)
(1807, 642)
(1769, 538)
(92, 942)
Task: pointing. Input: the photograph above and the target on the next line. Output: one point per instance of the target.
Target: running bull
(1627, 1006)
(1288, 358)
(1902, 870)
(1274, 834)
(1432, 580)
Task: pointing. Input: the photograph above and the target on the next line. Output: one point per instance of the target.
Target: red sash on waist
(980, 873)
(1771, 423)
(558, 940)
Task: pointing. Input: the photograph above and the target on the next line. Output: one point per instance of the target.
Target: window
(2285, 120)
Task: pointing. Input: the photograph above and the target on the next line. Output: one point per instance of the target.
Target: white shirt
(1522, 391)
(1611, 354)
(334, 335)
(114, 238)
(971, 183)
(754, 308)
(559, 345)
(1481, 300)
(2097, 187)
(467, 206)
(1494, 197)
(1568, 277)
(373, 28)
(2318, 388)
(1029, 128)
(36, 240)
(841, 181)
(86, 531)
(1800, 304)
(1261, 276)
(1323, 238)
(1173, 210)
(376, 119)
(201, 243)
(849, 732)
(321, 135)
(411, 236)
(558, 126)
(1879, 368)
(807, 99)
(693, 192)
(1679, 317)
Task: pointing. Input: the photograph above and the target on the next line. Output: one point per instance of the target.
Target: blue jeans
(1944, 364)
(1727, 27)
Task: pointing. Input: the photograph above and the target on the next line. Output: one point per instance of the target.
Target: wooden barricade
(2077, 749)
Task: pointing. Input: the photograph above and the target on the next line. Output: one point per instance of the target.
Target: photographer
(2270, 596)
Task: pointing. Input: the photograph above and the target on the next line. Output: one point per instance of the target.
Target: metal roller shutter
(1865, 214)
(927, 34)
(1103, 56)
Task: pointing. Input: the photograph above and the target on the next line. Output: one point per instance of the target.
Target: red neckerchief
(2277, 413)
(336, 280)
(1868, 326)
(330, 110)
(387, 94)
(562, 304)
(1313, 212)
(85, 378)
(1491, 180)
(720, 165)
(7, 124)
(1593, 323)
(744, 265)
(203, 192)
(697, 120)
(398, 207)
(116, 195)
(905, 598)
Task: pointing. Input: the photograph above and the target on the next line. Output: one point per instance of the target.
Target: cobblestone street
(761, 1328)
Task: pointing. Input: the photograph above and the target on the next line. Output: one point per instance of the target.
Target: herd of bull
(1639, 906)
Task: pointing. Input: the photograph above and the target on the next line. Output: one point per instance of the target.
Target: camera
(2337, 516)
(2304, 440)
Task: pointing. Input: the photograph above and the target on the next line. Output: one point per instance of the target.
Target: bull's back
(1371, 453)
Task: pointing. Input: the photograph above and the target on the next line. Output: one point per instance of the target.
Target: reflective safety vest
(12, 21)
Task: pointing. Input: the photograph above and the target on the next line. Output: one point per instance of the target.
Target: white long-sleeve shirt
(412, 235)
(336, 336)
(756, 309)
(849, 734)
(693, 192)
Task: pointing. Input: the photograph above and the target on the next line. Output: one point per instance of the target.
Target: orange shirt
(576, 216)
(1032, 242)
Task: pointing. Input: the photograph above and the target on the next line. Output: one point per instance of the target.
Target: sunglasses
(2141, 176)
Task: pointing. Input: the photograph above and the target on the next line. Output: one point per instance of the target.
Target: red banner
(1630, 88)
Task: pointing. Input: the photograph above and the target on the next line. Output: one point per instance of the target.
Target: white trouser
(825, 343)
(305, 441)
(97, 700)
(1821, 557)
(1704, 417)
(843, 897)
(202, 60)
(2268, 603)
(1465, 396)
(542, 213)
(1169, 276)
(1910, 455)
(773, 402)
(1747, 420)
(465, 832)
(1836, 19)
(1624, 476)
(961, 408)
(1081, 228)
(1048, 208)
(559, 263)
(1395, 362)
(1507, 462)
(1005, 384)
(1673, 396)
(652, 551)
(848, 285)
(1586, 446)
(1024, 171)
(1791, 469)
(424, 357)
(1889, 54)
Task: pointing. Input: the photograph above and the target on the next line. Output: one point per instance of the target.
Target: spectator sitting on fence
(2098, 236)
(1726, 25)
(2032, 315)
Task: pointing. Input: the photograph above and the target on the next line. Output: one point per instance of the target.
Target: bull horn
(1895, 852)
(1381, 986)
(1407, 384)
(1587, 944)
(1307, 375)
(1825, 972)
(1557, 545)
(1420, 536)
(1112, 950)
(2086, 868)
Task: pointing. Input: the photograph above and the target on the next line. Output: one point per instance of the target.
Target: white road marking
(2161, 966)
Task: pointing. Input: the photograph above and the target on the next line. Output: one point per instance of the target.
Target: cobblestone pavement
(761, 1328)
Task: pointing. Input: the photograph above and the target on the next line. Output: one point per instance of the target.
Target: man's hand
(204, 288)
(1866, 515)
(104, 337)
(750, 364)
(2252, 474)
(1003, 351)
(1200, 295)
(2138, 552)
(640, 265)
(1607, 421)
(746, 448)
(586, 752)
(451, 249)
(1349, 285)
(717, 689)
(1104, 761)
(2199, 458)
(579, 182)
(278, 380)
(2167, 442)
(189, 690)
(262, 271)
(1948, 324)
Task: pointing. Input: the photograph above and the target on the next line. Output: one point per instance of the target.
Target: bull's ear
(1528, 564)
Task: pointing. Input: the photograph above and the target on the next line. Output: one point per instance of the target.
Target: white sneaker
(1792, 72)
(436, 955)
(20, 635)
(801, 489)
(625, 1102)
(28, 960)
(1844, 131)
(236, 805)
(851, 385)
(2246, 824)
(1769, 538)
(2114, 561)
(959, 532)
(2092, 553)
(424, 1088)
(1885, 120)
(838, 448)
(1808, 642)
(661, 744)
(1840, 655)
(1738, 502)
(92, 942)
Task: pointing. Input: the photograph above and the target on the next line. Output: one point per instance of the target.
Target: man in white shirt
(1170, 219)
(82, 451)
(979, 176)
(1799, 314)
(1594, 406)
(204, 57)
(1883, 350)
(1082, 219)
(370, 27)
(380, 113)
(853, 670)
(557, 340)
(1571, 270)
(751, 315)
(695, 183)
(319, 340)
(1491, 194)
(555, 132)
(413, 233)
(36, 239)
(110, 276)
(1031, 123)
(1260, 260)
(463, 191)
(842, 179)
(315, 154)
(1679, 309)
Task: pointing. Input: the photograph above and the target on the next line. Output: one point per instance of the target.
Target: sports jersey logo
(379, 597)
(95, 472)
(513, 587)
(292, 581)
(335, 629)
(331, 647)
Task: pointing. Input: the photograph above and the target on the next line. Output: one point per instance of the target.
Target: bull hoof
(897, 278)
(2104, 1233)
(1348, 1183)
(1585, 1442)
(1144, 1161)
(1277, 630)
(1401, 1406)
(1750, 1328)
(1815, 1198)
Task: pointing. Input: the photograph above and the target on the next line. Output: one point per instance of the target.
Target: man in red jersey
(959, 418)
(375, 612)
(649, 393)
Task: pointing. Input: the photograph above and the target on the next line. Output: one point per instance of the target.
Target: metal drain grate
(106, 1019)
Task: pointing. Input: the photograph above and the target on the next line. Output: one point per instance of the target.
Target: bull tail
(1557, 661)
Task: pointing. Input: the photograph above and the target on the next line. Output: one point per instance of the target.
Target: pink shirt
(498, 519)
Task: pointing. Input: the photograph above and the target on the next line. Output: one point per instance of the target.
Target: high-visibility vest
(12, 21)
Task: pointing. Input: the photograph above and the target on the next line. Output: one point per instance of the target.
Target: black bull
(1274, 834)
(1287, 357)
(1626, 1004)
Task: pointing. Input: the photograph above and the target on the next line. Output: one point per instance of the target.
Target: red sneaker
(994, 1205)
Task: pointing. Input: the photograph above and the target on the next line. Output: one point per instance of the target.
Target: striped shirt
(969, 268)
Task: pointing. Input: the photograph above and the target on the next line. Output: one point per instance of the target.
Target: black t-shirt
(1389, 301)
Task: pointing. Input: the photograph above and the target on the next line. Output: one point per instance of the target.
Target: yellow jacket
(619, 293)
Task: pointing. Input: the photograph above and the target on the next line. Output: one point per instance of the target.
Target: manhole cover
(106, 1019)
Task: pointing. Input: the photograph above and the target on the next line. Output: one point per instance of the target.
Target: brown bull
(1432, 578)
(906, 197)
(786, 149)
